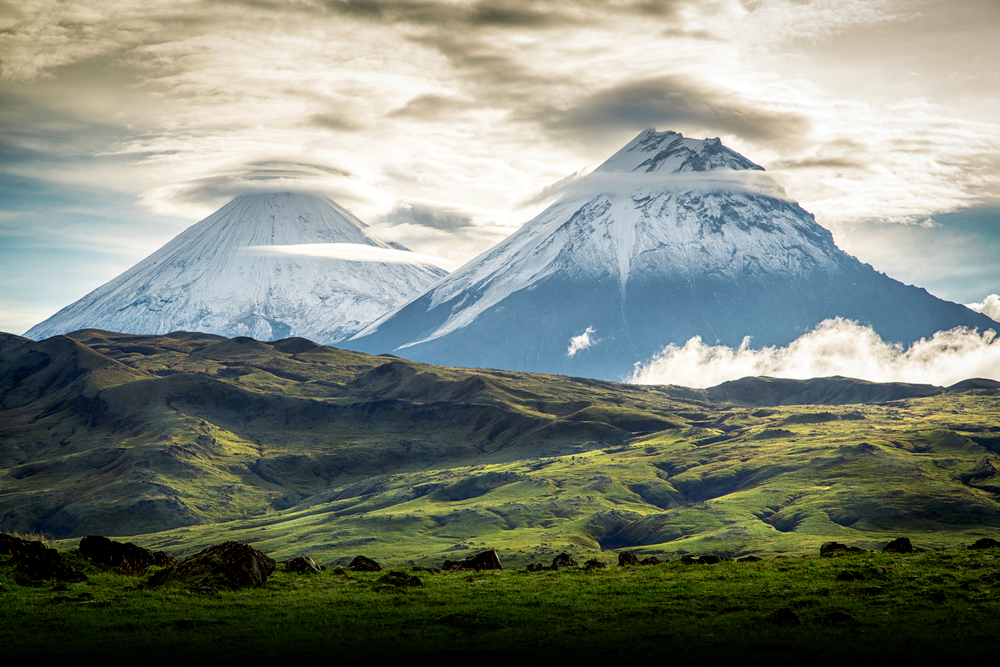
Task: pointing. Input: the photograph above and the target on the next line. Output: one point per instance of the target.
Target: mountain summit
(669, 239)
(245, 271)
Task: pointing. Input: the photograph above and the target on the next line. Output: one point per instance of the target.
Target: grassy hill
(183, 440)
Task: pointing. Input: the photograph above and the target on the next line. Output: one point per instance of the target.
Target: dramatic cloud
(669, 101)
(835, 347)
(862, 110)
(581, 342)
(426, 214)
(990, 306)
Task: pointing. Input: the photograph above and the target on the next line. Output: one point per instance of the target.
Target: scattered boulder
(830, 549)
(399, 579)
(428, 570)
(46, 565)
(302, 565)
(900, 545)
(837, 618)
(695, 559)
(128, 557)
(15, 546)
(652, 560)
(164, 559)
(985, 543)
(227, 565)
(786, 616)
(850, 575)
(532, 567)
(594, 564)
(749, 559)
(486, 560)
(563, 560)
(627, 558)
(33, 562)
(364, 564)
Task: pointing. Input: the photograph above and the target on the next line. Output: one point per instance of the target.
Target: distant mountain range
(236, 273)
(669, 239)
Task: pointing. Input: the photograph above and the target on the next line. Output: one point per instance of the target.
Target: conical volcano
(248, 270)
(669, 239)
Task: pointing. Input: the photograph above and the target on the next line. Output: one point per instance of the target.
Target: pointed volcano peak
(255, 268)
(671, 152)
(285, 218)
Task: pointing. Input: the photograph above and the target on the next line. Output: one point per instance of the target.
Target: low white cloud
(581, 342)
(351, 252)
(990, 306)
(835, 347)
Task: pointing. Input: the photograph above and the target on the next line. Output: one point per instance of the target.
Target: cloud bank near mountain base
(835, 347)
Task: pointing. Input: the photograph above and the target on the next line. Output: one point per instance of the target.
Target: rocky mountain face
(669, 239)
(231, 274)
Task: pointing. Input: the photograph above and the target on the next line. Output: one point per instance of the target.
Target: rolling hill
(185, 439)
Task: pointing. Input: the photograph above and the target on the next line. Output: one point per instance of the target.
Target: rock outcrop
(231, 565)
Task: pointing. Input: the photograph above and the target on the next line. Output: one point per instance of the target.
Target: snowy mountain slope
(670, 238)
(218, 276)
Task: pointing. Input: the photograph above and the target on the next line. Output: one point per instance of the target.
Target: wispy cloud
(581, 342)
(350, 252)
(835, 347)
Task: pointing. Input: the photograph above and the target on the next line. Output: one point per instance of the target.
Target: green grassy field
(919, 607)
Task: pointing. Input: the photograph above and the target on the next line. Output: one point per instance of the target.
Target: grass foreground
(940, 605)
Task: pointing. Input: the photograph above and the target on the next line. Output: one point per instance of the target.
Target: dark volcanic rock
(593, 563)
(829, 549)
(227, 565)
(695, 559)
(900, 545)
(985, 543)
(399, 579)
(786, 616)
(164, 559)
(486, 560)
(33, 562)
(563, 560)
(428, 570)
(837, 618)
(302, 565)
(627, 558)
(364, 564)
(15, 546)
(130, 558)
(47, 565)
(532, 567)
(749, 559)
(652, 560)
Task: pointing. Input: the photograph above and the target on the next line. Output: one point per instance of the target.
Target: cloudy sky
(443, 122)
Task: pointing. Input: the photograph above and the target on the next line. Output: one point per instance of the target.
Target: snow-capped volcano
(670, 238)
(248, 270)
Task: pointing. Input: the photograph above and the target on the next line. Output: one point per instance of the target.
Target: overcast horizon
(445, 124)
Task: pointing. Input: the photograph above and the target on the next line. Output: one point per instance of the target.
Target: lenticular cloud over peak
(835, 347)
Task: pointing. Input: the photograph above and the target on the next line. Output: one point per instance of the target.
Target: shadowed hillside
(188, 438)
